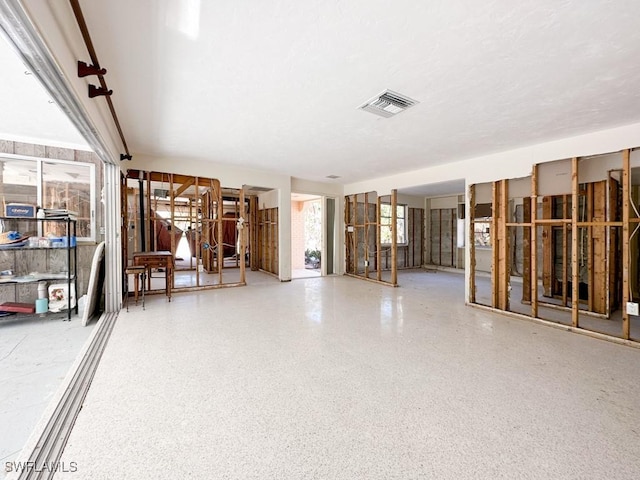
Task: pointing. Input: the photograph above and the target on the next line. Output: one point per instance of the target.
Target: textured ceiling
(275, 85)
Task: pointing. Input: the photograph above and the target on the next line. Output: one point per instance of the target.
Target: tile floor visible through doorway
(36, 354)
(341, 378)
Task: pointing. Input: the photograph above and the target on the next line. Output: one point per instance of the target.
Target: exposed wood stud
(172, 206)
(495, 294)
(565, 251)
(502, 244)
(366, 234)
(354, 213)
(241, 255)
(149, 222)
(378, 241)
(394, 237)
(526, 250)
(183, 187)
(254, 246)
(534, 242)
(472, 244)
(197, 233)
(575, 277)
(453, 236)
(547, 248)
(440, 237)
(626, 191)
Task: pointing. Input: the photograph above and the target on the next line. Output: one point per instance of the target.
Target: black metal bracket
(85, 70)
(98, 91)
(124, 156)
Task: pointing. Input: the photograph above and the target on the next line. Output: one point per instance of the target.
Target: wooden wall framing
(365, 255)
(267, 240)
(203, 212)
(589, 227)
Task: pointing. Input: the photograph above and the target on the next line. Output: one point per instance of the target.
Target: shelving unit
(37, 227)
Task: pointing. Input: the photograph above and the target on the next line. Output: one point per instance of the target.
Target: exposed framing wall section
(363, 240)
(206, 220)
(593, 236)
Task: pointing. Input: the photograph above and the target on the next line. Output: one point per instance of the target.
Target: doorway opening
(306, 235)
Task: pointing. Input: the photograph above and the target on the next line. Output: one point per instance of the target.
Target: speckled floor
(339, 378)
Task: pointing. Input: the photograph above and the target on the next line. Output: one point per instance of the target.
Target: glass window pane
(68, 186)
(401, 231)
(19, 181)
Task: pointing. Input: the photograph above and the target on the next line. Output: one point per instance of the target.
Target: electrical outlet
(632, 308)
(366, 263)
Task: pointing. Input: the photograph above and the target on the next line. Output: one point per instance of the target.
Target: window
(51, 183)
(482, 224)
(385, 224)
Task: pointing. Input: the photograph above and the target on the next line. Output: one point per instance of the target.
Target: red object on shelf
(17, 307)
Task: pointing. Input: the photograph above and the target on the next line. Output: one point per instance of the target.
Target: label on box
(19, 210)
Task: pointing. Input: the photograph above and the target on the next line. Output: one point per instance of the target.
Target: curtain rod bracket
(98, 91)
(86, 70)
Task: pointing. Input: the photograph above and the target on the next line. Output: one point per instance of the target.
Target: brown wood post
(394, 237)
(565, 251)
(495, 278)
(366, 234)
(526, 250)
(197, 233)
(575, 272)
(454, 214)
(502, 246)
(253, 225)
(626, 190)
(354, 257)
(472, 244)
(148, 224)
(378, 241)
(172, 207)
(241, 255)
(219, 227)
(534, 242)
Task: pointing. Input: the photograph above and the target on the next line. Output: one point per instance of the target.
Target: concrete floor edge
(559, 326)
(65, 387)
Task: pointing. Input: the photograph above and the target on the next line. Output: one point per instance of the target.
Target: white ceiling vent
(388, 103)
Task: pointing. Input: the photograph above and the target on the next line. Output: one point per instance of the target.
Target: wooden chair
(139, 272)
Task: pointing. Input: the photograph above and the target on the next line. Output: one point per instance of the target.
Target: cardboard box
(19, 210)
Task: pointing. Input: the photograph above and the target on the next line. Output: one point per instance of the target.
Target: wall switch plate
(350, 228)
(632, 308)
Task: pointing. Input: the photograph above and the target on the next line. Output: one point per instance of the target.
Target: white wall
(511, 164)
(438, 203)
(268, 199)
(411, 201)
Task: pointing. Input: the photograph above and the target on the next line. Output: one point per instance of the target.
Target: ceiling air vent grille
(388, 103)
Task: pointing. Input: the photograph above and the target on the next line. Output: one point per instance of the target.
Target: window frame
(39, 162)
(404, 229)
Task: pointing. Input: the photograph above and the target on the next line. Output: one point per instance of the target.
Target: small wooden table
(162, 259)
